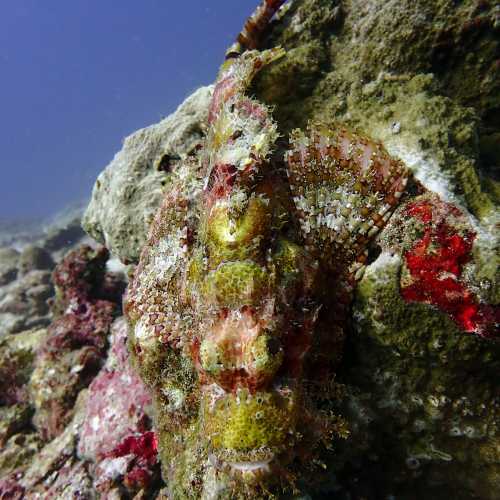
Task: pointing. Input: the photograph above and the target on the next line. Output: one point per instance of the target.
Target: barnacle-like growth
(237, 237)
(236, 283)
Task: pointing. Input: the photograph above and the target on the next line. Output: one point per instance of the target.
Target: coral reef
(44, 370)
(8, 265)
(59, 439)
(313, 318)
(76, 339)
(115, 433)
(23, 302)
(34, 257)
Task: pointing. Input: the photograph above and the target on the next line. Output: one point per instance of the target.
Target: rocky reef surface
(73, 414)
(417, 384)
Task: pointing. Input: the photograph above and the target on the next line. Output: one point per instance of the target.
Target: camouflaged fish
(239, 303)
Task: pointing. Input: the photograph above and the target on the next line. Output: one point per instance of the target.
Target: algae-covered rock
(457, 42)
(54, 456)
(12, 419)
(422, 396)
(40, 468)
(17, 362)
(420, 76)
(17, 453)
(421, 386)
(128, 192)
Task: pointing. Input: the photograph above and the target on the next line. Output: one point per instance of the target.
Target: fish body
(239, 304)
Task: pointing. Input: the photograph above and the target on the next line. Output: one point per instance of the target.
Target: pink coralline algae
(84, 308)
(86, 298)
(10, 489)
(435, 263)
(142, 451)
(115, 433)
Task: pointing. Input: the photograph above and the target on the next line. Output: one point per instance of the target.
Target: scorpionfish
(238, 306)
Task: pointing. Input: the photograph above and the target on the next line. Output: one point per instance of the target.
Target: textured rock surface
(115, 434)
(17, 354)
(8, 265)
(405, 72)
(34, 257)
(422, 393)
(116, 388)
(47, 415)
(128, 192)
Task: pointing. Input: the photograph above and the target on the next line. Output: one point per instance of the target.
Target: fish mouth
(246, 466)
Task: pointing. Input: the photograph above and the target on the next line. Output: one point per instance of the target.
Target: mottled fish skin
(239, 304)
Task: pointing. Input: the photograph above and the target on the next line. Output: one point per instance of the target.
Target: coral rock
(23, 303)
(33, 257)
(115, 434)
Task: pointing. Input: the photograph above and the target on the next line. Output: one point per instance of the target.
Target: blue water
(77, 76)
